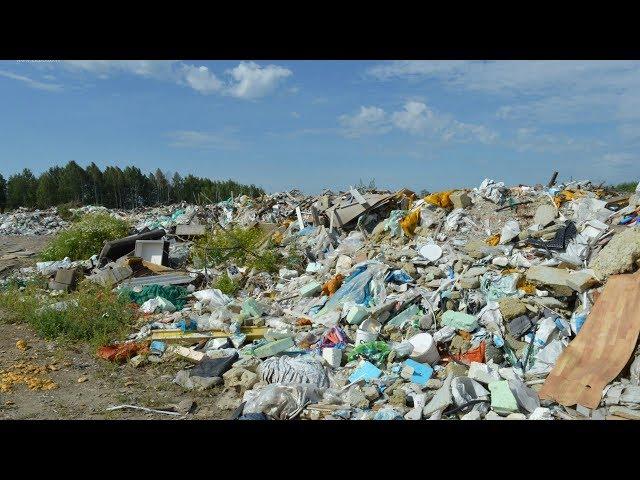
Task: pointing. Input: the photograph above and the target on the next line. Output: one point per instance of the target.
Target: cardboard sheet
(601, 349)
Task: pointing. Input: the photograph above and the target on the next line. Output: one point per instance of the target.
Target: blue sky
(287, 124)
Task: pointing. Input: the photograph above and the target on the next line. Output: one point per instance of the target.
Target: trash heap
(487, 303)
(25, 222)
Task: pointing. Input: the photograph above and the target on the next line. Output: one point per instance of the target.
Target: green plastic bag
(375, 352)
(175, 294)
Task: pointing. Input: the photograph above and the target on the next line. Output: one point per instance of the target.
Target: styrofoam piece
(431, 252)
(424, 349)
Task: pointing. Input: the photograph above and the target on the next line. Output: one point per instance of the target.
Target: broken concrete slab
(554, 278)
(620, 255)
(545, 214)
(582, 280)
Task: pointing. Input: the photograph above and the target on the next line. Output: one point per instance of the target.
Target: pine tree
(3, 193)
(95, 183)
(47, 191)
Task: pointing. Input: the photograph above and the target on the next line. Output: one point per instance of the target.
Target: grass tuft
(85, 238)
(93, 313)
(226, 284)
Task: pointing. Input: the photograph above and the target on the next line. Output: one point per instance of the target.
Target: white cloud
(530, 139)
(201, 79)
(409, 68)
(368, 121)
(295, 114)
(160, 69)
(50, 87)
(619, 160)
(254, 81)
(248, 80)
(540, 91)
(200, 139)
(417, 119)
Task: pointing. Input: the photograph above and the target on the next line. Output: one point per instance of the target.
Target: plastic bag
(375, 352)
(465, 390)
(157, 304)
(393, 222)
(410, 222)
(441, 199)
(355, 288)
(332, 285)
(213, 297)
(283, 402)
(283, 369)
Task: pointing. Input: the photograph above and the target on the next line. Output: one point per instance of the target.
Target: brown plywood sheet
(602, 347)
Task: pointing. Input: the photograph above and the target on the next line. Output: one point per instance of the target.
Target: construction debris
(486, 303)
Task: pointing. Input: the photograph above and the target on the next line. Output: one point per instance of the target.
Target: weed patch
(226, 284)
(85, 237)
(246, 247)
(92, 314)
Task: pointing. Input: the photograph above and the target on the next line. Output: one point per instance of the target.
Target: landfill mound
(487, 303)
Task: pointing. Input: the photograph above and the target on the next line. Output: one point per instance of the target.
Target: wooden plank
(172, 336)
(602, 347)
(179, 337)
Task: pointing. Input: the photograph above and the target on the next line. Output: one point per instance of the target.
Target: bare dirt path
(85, 385)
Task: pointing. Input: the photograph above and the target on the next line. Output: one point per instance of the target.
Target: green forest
(112, 188)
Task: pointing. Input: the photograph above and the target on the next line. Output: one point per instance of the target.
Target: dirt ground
(20, 251)
(85, 385)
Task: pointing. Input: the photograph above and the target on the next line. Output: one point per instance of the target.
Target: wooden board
(177, 336)
(602, 347)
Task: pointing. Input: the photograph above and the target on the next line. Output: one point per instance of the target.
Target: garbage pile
(487, 303)
(25, 222)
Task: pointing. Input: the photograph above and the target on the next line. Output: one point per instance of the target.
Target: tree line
(113, 188)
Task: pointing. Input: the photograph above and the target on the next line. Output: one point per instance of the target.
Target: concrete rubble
(455, 305)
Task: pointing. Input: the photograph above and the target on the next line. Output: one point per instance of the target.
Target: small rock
(555, 278)
(185, 406)
(511, 308)
(82, 379)
(371, 392)
(541, 413)
(455, 370)
(460, 199)
(433, 383)
(516, 416)
(483, 372)
(492, 416)
(355, 397)
(472, 415)
(469, 283)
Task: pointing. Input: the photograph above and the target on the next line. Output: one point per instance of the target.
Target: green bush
(226, 284)
(64, 211)
(85, 238)
(239, 245)
(93, 313)
(629, 187)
